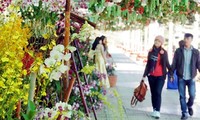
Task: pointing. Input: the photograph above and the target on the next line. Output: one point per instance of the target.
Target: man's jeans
(156, 86)
(191, 89)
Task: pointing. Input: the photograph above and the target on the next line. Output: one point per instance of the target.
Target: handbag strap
(134, 101)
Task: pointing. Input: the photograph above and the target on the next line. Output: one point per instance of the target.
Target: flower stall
(44, 44)
(45, 72)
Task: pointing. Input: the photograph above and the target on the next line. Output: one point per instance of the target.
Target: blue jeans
(191, 89)
(156, 85)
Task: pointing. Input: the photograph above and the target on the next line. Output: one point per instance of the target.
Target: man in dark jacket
(186, 62)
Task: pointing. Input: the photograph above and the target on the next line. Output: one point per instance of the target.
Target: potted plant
(111, 74)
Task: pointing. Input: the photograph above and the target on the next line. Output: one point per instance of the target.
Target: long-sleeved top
(179, 60)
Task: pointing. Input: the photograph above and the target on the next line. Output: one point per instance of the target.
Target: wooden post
(66, 43)
(69, 90)
(18, 110)
(67, 23)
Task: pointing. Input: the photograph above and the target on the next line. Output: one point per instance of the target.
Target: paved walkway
(129, 75)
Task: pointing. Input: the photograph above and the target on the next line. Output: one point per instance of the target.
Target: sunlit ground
(130, 73)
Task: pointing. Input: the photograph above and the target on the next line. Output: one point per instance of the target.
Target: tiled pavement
(129, 74)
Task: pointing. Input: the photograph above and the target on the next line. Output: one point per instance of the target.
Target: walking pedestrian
(186, 62)
(100, 60)
(156, 70)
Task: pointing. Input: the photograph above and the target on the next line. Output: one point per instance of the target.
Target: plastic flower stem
(32, 86)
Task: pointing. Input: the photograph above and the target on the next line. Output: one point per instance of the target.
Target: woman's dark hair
(104, 45)
(181, 43)
(96, 42)
(103, 37)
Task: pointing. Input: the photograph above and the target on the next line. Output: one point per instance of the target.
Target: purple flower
(49, 114)
(60, 108)
(75, 106)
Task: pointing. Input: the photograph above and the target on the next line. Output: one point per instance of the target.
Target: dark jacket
(164, 62)
(178, 62)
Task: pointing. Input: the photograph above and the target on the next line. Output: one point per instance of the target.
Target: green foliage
(88, 69)
(40, 19)
(31, 111)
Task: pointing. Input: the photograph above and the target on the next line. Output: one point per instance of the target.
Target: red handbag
(139, 93)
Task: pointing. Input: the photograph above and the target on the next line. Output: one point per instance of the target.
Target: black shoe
(190, 110)
(184, 117)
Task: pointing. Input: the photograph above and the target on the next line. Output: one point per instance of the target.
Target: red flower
(123, 8)
(140, 10)
(27, 62)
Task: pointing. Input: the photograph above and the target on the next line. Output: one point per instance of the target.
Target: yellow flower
(4, 59)
(45, 36)
(24, 72)
(44, 93)
(2, 84)
(20, 64)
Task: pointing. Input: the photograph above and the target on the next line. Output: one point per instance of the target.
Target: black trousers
(156, 85)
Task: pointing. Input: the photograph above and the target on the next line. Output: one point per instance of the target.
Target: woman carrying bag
(156, 70)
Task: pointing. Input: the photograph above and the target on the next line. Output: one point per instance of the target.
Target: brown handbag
(139, 93)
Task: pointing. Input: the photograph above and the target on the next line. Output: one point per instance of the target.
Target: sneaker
(190, 111)
(184, 117)
(153, 114)
(157, 114)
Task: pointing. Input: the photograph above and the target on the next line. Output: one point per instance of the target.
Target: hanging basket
(112, 80)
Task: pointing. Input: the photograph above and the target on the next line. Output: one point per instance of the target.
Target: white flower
(49, 62)
(71, 48)
(62, 68)
(109, 4)
(42, 69)
(67, 114)
(76, 90)
(59, 48)
(66, 57)
(55, 75)
(50, 113)
(117, 1)
(60, 106)
(56, 55)
(69, 107)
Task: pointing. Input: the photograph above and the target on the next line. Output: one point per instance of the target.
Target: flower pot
(112, 80)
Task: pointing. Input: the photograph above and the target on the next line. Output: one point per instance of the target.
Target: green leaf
(58, 86)
(109, 11)
(118, 10)
(31, 114)
(157, 2)
(25, 116)
(31, 106)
